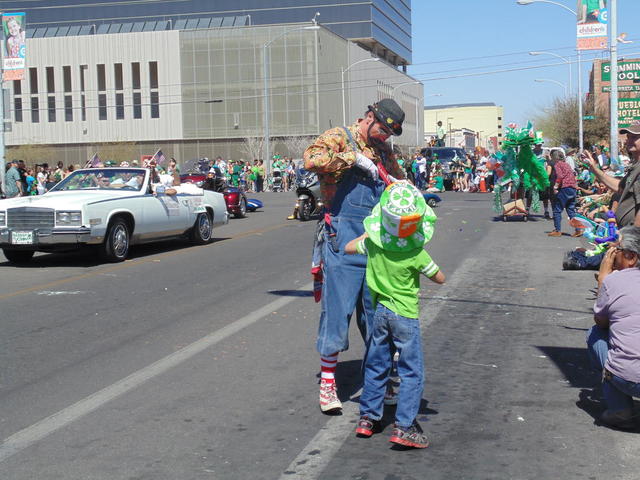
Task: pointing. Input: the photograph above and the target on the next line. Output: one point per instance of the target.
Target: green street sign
(626, 71)
(628, 111)
(622, 88)
(589, 117)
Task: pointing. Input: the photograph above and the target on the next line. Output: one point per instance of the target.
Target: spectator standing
(440, 135)
(22, 168)
(31, 183)
(614, 341)
(564, 191)
(13, 181)
(41, 178)
(58, 173)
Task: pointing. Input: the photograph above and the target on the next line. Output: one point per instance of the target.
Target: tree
(559, 122)
(252, 146)
(297, 145)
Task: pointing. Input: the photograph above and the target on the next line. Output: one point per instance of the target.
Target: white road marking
(53, 294)
(317, 454)
(36, 432)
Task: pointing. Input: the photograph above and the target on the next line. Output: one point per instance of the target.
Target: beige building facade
(484, 119)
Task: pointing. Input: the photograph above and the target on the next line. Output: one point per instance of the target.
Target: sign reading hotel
(592, 24)
(628, 111)
(14, 54)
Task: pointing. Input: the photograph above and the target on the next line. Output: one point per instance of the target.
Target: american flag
(158, 157)
(93, 162)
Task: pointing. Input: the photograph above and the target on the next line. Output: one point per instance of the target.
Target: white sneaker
(329, 400)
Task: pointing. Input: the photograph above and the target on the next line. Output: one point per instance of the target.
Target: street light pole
(564, 59)
(267, 113)
(580, 119)
(553, 81)
(613, 95)
(345, 70)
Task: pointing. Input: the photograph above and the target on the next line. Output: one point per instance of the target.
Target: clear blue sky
(486, 35)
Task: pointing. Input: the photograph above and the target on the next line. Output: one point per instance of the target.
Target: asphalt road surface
(199, 362)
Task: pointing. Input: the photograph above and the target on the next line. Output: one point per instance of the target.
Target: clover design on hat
(402, 220)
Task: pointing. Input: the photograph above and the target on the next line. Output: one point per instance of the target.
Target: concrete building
(483, 119)
(195, 92)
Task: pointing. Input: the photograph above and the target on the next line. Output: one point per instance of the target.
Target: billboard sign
(14, 54)
(628, 111)
(592, 24)
(626, 71)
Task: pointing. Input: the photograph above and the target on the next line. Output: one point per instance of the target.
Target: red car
(233, 196)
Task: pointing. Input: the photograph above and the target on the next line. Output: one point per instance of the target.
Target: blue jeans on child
(345, 287)
(565, 199)
(618, 393)
(389, 330)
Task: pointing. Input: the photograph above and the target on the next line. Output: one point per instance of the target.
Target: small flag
(158, 157)
(93, 162)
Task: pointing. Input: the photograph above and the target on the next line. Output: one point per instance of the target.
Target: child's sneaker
(329, 400)
(367, 427)
(409, 437)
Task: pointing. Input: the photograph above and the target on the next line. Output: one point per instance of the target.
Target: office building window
(35, 110)
(153, 74)
(102, 106)
(117, 76)
(33, 80)
(83, 100)
(102, 78)
(135, 76)
(51, 108)
(137, 105)
(17, 109)
(68, 108)
(66, 78)
(51, 83)
(119, 106)
(155, 105)
(17, 87)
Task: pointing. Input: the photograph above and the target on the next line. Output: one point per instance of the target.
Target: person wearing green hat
(348, 161)
(395, 234)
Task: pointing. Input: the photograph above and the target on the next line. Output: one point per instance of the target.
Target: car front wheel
(18, 256)
(202, 229)
(116, 244)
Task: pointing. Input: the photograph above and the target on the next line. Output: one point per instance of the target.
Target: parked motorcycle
(308, 194)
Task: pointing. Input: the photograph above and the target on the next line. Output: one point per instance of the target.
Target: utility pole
(2, 161)
(613, 19)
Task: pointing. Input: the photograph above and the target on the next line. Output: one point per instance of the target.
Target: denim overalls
(345, 287)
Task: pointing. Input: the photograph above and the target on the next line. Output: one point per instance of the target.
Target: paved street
(199, 362)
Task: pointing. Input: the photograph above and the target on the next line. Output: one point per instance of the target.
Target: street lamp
(553, 81)
(345, 70)
(267, 146)
(393, 91)
(575, 14)
(564, 59)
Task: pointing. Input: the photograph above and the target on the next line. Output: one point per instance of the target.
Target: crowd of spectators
(22, 180)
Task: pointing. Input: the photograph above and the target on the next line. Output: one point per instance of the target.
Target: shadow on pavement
(291, 293)
(484, 302)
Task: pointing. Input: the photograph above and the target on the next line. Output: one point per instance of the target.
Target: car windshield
(103, 179)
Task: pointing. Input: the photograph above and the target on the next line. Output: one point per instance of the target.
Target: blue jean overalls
(345, 287)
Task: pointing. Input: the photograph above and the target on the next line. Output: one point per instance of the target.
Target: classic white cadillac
(111, 208)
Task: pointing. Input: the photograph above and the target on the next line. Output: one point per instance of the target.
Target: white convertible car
(111, 208)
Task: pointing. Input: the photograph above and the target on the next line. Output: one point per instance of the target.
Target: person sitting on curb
(395, 234)
(614, 341)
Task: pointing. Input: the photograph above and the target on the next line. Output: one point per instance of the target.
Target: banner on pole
(14, 61)
(592, 19)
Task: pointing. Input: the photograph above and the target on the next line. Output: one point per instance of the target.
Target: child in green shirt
(395, 233)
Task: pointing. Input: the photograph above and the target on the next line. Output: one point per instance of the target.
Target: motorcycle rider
(347, 162)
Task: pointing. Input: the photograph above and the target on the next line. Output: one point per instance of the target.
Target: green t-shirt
(393, 277)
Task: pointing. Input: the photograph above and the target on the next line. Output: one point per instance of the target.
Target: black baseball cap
(389, 113)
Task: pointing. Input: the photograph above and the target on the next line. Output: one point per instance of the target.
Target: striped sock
(328, 365)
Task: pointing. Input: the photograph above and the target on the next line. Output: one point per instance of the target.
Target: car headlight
(3, 219)
(69, 218)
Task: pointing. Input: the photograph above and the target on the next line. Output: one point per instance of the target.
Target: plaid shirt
(332, 154)
(564, 175)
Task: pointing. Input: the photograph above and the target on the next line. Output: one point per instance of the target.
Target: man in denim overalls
(348, 161)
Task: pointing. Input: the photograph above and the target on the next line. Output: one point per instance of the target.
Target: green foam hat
(402, 221)
(537, 137)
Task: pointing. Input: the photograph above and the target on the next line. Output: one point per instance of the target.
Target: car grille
(30, 217)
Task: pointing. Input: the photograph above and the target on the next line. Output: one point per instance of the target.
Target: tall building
(195, 86)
